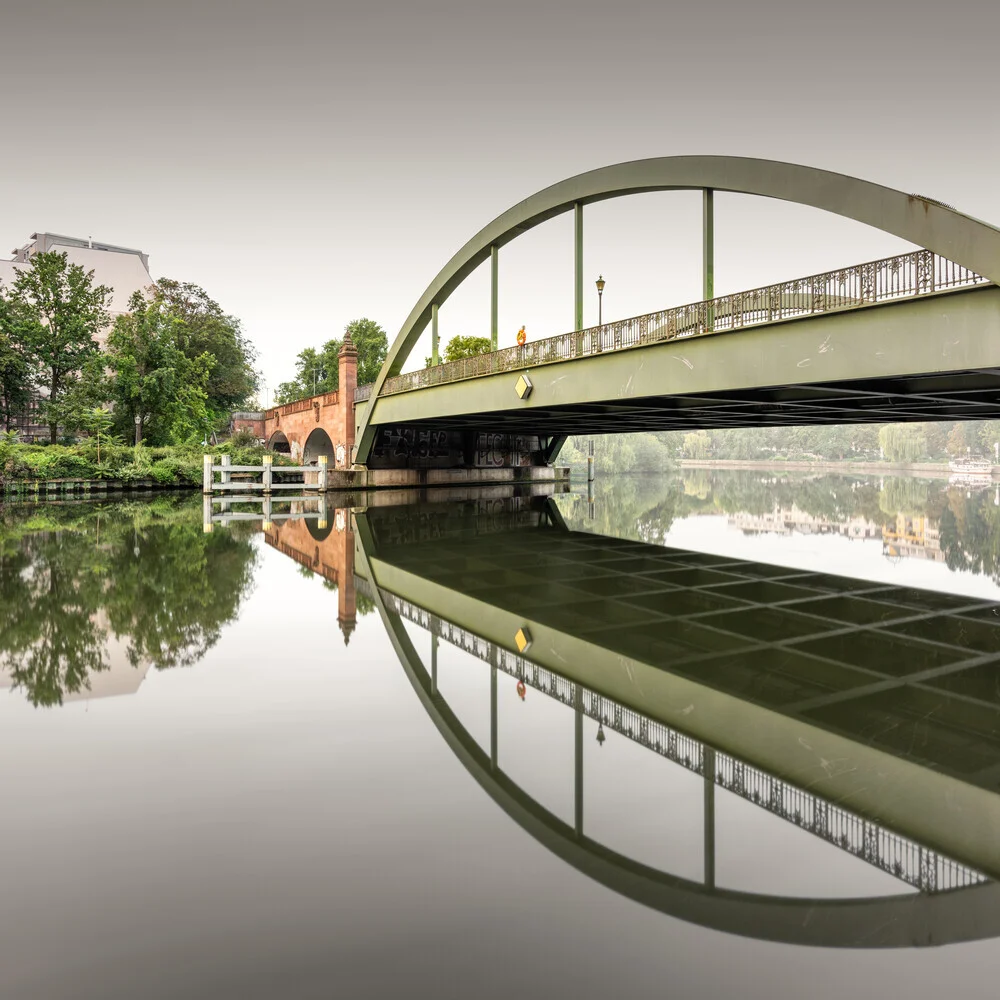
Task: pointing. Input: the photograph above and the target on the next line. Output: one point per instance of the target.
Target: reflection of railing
(904, 276)
(913, 864)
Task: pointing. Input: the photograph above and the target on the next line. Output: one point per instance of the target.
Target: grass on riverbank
(172, 465)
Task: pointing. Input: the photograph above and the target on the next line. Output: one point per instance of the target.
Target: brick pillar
(348, 368)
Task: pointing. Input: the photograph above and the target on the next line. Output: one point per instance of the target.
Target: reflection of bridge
(916, 865)
(319, 535)
(862, 713)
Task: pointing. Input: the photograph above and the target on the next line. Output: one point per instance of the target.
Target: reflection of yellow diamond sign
(522, 639)
(523, 386)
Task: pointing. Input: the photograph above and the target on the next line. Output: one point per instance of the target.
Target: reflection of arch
(320, 534)
(928, 224)
(876, 922)
(318, 443)
(278, 442)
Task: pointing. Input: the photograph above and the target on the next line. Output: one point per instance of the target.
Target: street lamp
(600, 293)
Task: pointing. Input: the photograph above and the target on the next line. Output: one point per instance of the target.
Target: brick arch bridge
(320, 425)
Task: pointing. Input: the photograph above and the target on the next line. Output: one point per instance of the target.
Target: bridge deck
(934, 356)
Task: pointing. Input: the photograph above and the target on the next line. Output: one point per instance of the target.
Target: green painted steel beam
(553, 447)
(494, 296)
(578, 266)
(948, 332)
(708, 245)
(924, 222)
(435, 358)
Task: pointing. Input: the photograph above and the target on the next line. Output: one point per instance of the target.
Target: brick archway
(320, 425)
(278, 442)
(317, 444)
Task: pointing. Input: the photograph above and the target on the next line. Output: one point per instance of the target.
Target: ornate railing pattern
(913, 864)
(904, 276)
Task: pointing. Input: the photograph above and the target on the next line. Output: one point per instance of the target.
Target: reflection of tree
(145, 573)
(831, 497)
(171, 588)
(970, 533)
(49, 594)
(904, 496)
(639, 507)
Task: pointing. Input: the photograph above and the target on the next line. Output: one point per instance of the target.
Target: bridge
(912, 337)
(861, 713)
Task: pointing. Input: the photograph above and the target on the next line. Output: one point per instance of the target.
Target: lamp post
(600, 292)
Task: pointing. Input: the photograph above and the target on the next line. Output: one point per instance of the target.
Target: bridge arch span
(318, 443)
(278, 442)
(922, 221)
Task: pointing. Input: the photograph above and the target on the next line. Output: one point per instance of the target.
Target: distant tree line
(901, 443)
(897, 443)
(173, 366)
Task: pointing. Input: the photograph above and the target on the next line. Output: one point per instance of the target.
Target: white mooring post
(206, 486)
(226, 476)
(323, 472)
(268, 460)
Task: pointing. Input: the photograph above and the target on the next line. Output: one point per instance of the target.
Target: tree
(62, 311)
(466, 347)
(697, 445)
(84, 392)
(318, 371)
(97, 422)
(903, 443)
(154, 384)
(203, 328)
(15, 371)
(960, 440)
(372, 345)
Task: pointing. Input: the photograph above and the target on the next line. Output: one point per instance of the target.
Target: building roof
(125, 271)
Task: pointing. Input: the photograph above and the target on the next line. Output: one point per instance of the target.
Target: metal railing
(904, 276)
(918, 866)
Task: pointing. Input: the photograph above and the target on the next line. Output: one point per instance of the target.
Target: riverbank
(82, 468)
(926, 470)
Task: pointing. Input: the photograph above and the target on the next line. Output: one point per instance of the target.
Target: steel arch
(926, 223)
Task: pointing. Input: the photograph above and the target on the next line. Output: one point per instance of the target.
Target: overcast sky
(312, 161)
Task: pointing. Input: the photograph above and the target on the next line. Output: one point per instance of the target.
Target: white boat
(971, 471)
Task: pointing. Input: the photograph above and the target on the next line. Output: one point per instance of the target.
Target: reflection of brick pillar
(346, 599)
(348, 382)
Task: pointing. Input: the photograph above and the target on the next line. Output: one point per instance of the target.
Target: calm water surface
(711, 735)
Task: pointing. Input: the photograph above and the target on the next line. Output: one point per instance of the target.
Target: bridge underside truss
(954, 396)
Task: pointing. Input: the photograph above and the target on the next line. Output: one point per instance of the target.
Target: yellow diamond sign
(523, 386)
(523, 639)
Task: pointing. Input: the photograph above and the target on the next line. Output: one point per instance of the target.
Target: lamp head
(600, 284)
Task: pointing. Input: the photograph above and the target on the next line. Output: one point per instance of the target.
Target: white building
(123, 270)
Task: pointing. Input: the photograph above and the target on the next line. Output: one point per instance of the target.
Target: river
(706, 735)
